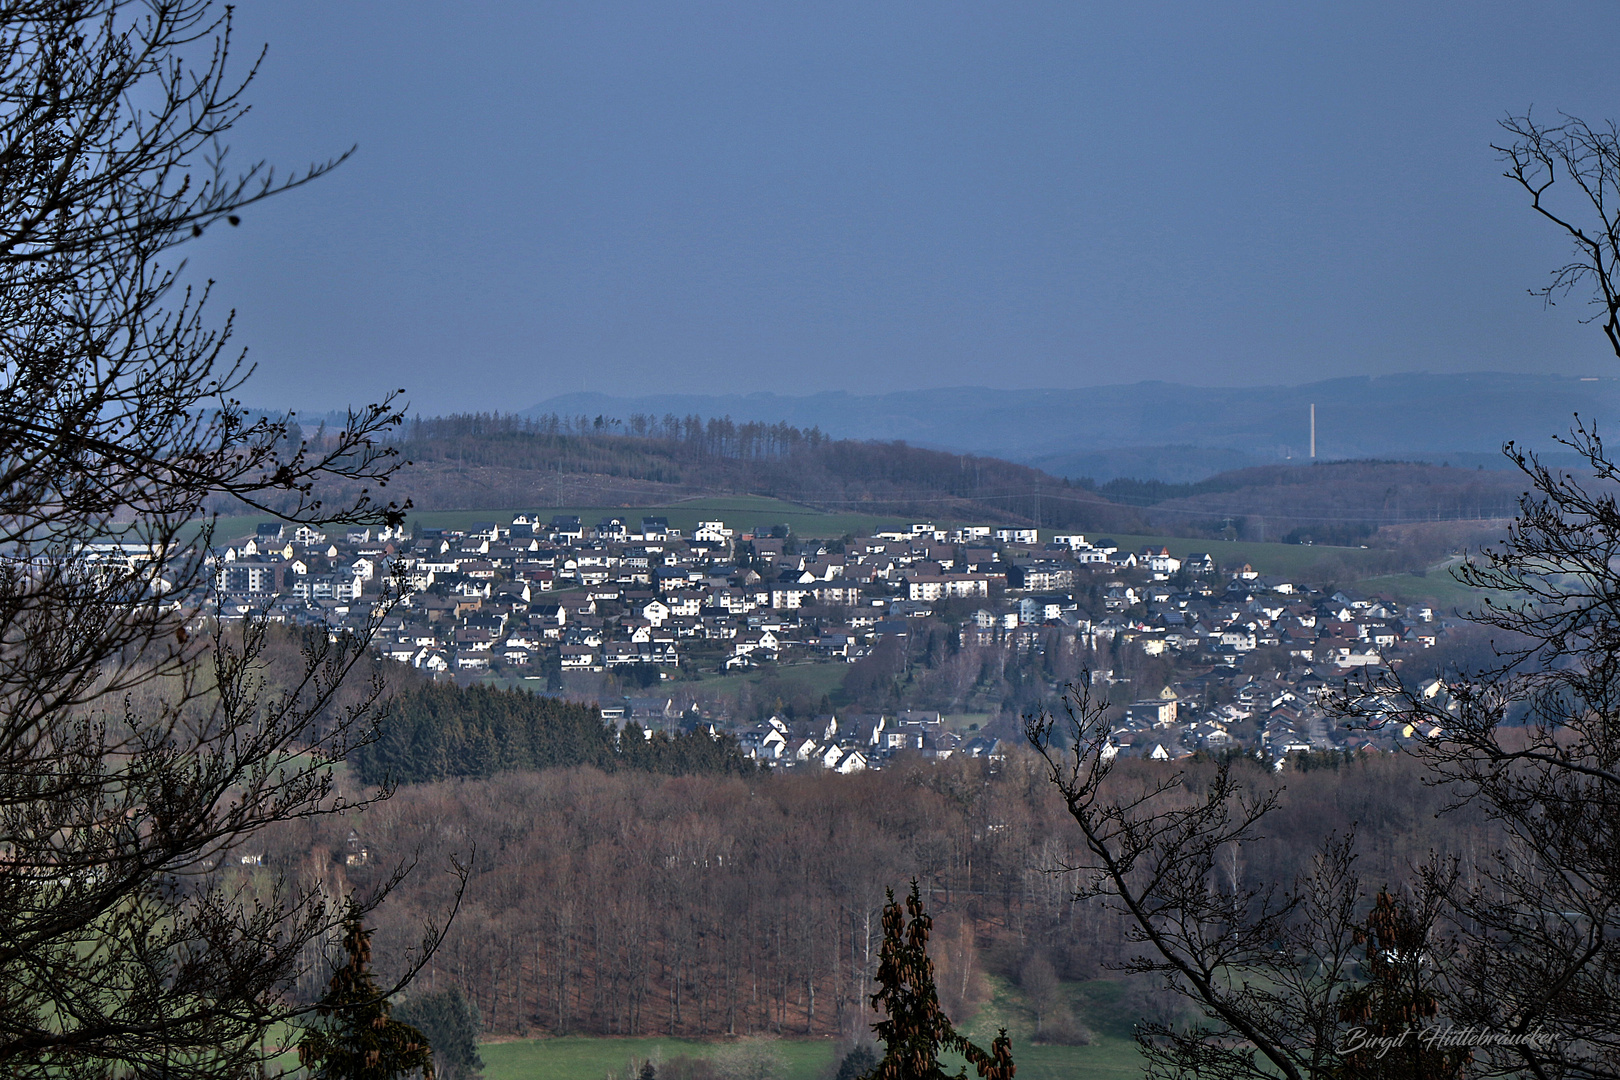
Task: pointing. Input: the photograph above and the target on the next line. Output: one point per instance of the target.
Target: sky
(738, 197)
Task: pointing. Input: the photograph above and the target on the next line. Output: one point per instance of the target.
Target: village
(540, 600)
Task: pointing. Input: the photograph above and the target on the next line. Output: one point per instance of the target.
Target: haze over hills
(1175, 432)
(499, 463)
(1023, 456)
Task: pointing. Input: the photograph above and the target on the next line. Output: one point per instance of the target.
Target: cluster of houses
(540, 598)
(1273, 716)
(856, 741)
(529, 594)
(1210, 705)
(1314, 640)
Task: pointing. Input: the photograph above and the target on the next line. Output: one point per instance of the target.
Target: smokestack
(1313, 429)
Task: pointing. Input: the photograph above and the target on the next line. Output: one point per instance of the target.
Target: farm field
(747, 511)
(1276, 559)
(577, 1058)
(1111, 1055)
(1437, 587)
(738, 511)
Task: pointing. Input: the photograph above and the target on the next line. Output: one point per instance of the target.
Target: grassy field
(1279, 559)
(965, 722)
(748, 511)
(1111, 1055)
(1353, 567)
(820, 678)
(738, 511)
(1437, 588)
(576, 1058)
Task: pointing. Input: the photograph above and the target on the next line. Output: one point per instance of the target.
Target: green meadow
(577, 1058)
(1111, 1054)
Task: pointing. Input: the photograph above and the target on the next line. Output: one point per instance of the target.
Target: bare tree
(1571, 170)
(138, 748)
(1534, 740)
(1534, 743)
(1267, 966)
(1520, 950)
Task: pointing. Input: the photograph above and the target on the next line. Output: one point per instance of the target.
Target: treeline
(485, 460)
(716, 437)
(1341, 501)
(627, 903)
(1130, 491)
(477, 460)
(440, 731)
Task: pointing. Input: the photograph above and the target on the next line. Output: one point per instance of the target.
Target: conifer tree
(917, 1029)
(857, 1063)
(451, 1023)
(360, 1039)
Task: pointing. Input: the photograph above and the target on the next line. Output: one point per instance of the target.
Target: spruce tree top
(360, 1039)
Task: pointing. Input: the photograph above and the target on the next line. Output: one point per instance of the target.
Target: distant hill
(490, 462)
(1168, 431)
(1342, 502)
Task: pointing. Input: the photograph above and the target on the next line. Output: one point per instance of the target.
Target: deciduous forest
(630, 902)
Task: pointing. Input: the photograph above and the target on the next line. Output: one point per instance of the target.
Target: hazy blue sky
(872, 196)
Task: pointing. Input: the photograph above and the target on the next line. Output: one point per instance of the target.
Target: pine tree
(917, 1029)
(359, 1038)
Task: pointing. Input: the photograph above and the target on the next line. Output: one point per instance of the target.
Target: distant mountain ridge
(1159, 430)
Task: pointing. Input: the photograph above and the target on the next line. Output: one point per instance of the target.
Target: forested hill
(488, 461)
(1430, 417)
(1338, 502)
(484, 460)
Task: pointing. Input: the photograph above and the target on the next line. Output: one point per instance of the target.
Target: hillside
(1341, 502)
(1169, 431)
(486, 462)
(479, 462)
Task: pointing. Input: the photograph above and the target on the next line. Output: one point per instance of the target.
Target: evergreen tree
(358, 1039)
(451, 1024)
(917, 1029)
(439, 731)
(857, 1063)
